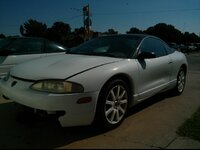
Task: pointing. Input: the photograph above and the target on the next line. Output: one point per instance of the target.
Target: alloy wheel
(116, 104)
(181, 81)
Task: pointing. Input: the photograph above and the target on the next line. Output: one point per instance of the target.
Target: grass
(191, 127)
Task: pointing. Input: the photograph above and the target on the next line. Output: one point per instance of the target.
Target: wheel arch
(126, 78)
(121, 76)
(184, 66)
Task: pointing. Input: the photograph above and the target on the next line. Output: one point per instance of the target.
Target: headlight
(57, 86)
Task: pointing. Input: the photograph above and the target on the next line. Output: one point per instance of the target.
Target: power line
(135, 12)
(147, 12)
(120, 13)
(73, 17)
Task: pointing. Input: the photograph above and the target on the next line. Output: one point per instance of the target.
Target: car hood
(59, 67)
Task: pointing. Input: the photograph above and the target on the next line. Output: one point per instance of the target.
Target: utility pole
(87, 21)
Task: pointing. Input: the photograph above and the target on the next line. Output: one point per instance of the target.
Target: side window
(160, 48)
(147, 45)
(169, 49)
(153, 45)
(52, 47)
(26, 46)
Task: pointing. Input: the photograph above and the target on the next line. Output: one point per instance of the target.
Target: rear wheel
(112, 104)
(181, 80)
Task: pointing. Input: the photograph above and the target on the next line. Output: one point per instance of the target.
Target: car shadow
(21, 128)
(150, 101)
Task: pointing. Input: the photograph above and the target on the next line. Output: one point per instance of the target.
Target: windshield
(112, 46)
(5, 42)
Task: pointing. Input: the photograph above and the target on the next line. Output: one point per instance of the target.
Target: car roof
(135, 35)
(26, 38)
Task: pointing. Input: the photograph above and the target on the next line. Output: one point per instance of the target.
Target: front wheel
(112, 104)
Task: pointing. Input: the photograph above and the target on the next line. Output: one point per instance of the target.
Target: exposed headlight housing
(57, 86)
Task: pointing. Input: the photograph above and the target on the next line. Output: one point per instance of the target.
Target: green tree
(79, 31)
(75, 38)
(111, 31)
(134, 30)
(33, 28)
(190, 38)
(166, 32)
(2, 36)
(59, 32)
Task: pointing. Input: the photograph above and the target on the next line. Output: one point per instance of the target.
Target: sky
(120, 15)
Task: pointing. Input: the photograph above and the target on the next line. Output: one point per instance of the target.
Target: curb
(184, 143)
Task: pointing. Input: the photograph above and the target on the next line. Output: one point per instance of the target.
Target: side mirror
(146, 55)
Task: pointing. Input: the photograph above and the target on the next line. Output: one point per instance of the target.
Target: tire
(112, 104)
(181, 80)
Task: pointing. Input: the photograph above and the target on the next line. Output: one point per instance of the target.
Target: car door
(154, 73)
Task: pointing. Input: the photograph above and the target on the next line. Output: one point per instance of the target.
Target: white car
(19, 49)
(99, 80)
(192, 47)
